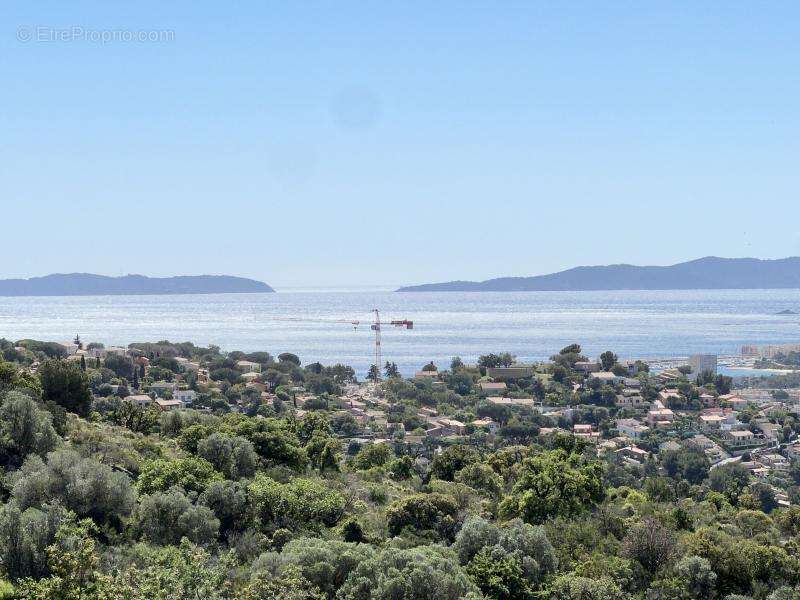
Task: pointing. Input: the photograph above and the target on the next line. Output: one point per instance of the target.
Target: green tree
(82, 485)
(234, 457)
(498, 575)
(689, 463)
(24, 430)
(607, 360)
(371, 455)
(391, 370)
(373, 373)
(75, 567)
(572, 587)
(66, 385)
(298, 503)
(424, 573)
(423, 511)
(553, 484)
(166, 517)
(24, 538)
(452, 460)
(193, 474)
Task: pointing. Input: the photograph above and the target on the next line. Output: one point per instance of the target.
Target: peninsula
(704, 273)
(85, 284)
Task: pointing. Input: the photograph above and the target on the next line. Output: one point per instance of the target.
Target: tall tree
(373, 373)
(66, 385)
(607, 360)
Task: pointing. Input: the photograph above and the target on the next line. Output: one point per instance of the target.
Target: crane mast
(375, 326)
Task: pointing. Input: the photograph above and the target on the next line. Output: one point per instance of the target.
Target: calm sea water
(532, 325)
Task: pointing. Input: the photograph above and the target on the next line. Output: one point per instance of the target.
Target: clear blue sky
(307, 143)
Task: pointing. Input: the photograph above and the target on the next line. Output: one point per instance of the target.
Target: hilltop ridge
(710, 272)
(87, 284)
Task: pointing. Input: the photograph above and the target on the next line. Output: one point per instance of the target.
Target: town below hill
(86, 284)
(704, 273)
(173, 466)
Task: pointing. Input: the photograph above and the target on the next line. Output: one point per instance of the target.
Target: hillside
(704, 273)
(85, 284)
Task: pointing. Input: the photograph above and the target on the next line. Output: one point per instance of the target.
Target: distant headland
(86, 284)
(704, 273)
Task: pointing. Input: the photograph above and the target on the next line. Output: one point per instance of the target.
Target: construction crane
(375, 326)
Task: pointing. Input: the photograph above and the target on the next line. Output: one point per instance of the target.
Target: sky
(342, 143)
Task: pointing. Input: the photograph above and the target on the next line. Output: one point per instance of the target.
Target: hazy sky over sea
(340, 143)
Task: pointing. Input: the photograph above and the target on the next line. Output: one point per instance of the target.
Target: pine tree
(83, 363)
(373, 373)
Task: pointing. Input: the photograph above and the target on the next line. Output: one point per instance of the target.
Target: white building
(703, 362)
(185, 397)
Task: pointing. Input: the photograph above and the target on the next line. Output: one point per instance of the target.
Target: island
(86, 284)
(705, 273)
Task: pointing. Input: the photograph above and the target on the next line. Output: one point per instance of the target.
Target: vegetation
(281, 489)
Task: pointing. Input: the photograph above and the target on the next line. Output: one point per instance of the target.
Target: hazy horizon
(358, 286)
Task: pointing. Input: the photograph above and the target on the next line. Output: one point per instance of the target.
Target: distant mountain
(85, 284)
(705, 273)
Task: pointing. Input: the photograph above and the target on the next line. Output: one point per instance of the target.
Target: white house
(185, 397)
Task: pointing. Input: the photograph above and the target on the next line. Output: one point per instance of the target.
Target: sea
(319, 324)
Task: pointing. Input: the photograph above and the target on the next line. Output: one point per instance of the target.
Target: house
(605, 377)
(515, 371)
(776, 462)
(666, 395)
(633, 453)
(456, 426)
(160, 387)
(250, 376)
(491, 387)
(247, 366)
(583, 430)
(631, 428)
(770, 430)
(426, 375)
(167, 405)
(435, 431)
(499, 401)
(708, 399)
(660, 417)
(185, 397)
(629, 400)
(139, 399)
(793, 451)
(711, 422)
(740, 438)
(587, 366)
(486, 423)
(634, 367)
